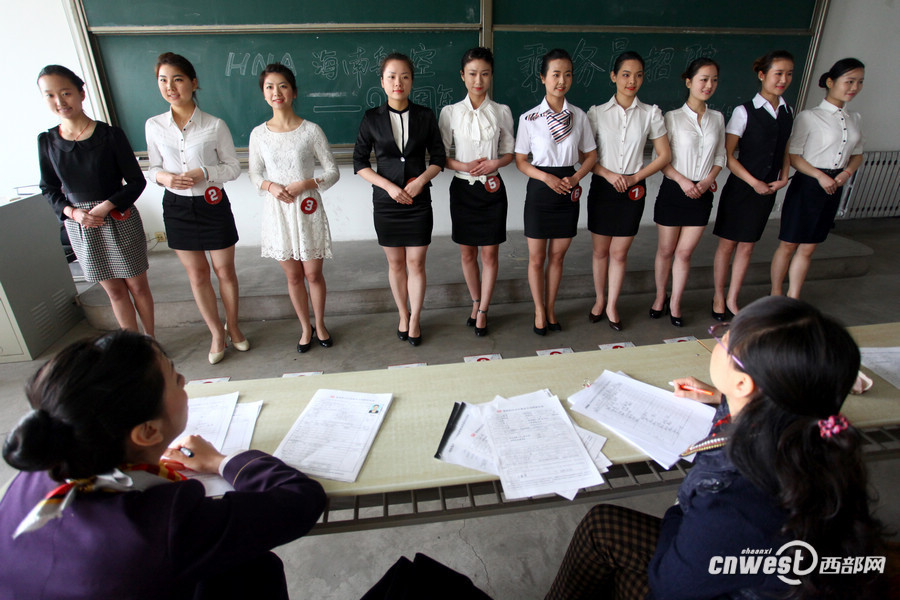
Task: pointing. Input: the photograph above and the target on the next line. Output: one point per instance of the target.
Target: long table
(402, 482)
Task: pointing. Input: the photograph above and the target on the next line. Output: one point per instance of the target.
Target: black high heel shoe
(303, 348)
(326, 343)
(554, 326)
(482, 331)
(470, 322)
(656, 314)
(721, 316)
(415, 341)
(402, 335)
(676, 321)
(615, 325)
(595, 318)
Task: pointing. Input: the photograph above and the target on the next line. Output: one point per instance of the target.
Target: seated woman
(96, 515)
(782, 466)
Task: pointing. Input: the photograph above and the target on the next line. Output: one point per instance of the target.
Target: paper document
(209, 417)
(884, 361)
(537, 449)
(465, 442)
(654, 420)
(332, 436)
(240, 432)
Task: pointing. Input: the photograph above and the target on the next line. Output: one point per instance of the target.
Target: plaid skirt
(115, 250)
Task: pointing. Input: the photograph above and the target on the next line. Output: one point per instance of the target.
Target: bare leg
(799, 269)
(556, 258)
(469, 259)
(139, 288)
(490, 259)
(293, 271)
(120, 299)
(618, 256)
(665, 252)
(537, 254)
(600, 267)
(415, 265)
(721, 268)
(738, 272)
(781, 260)
(681, 267)
(197, 268)
(223, 264)
(312, 270)
(396, 257)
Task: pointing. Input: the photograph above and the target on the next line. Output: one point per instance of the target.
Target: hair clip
(833, 425)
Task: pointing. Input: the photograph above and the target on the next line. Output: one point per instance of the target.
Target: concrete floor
(511, 556)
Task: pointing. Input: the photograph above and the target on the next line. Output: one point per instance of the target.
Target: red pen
(690, 388)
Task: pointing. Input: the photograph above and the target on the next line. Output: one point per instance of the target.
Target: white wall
(36, 34)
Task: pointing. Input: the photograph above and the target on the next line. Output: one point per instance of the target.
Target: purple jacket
(156, 543)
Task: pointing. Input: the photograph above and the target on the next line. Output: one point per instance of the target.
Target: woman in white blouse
(557, 136)
(826, 148)
(192, 154)
(684, 203)
(482, 132)
(283, 151)
(616, 199)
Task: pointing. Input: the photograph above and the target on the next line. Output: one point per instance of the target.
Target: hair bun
(37, 443)
(823, 80)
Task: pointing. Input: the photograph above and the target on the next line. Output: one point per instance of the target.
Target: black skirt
(549, 215)
(674, 208)
(743, 213)
(478, 212)
(193, 223)
(400, 225)
(612, 213)
(808, 212)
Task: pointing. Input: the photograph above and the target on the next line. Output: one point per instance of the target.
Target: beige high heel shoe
(241, 346)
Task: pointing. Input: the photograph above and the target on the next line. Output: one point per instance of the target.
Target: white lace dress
(299, 230)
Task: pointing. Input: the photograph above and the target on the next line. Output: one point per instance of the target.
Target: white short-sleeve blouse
(826, 136)
(534, 136)
(621, 133)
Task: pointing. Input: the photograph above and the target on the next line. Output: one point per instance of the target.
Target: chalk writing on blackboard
(530, 66)
(239, 62)
(584, 67)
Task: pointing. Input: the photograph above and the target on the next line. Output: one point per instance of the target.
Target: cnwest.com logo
(792, 561)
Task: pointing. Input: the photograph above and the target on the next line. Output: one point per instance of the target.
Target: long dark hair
(803, 365)
(85, 403)
(845, 65)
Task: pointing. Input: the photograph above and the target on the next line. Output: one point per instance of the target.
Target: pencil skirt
(808, 211)
(549, 215)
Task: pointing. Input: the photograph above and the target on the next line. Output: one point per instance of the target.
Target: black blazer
(375, 131)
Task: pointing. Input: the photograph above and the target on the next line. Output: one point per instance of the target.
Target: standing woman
(825, 149)
(83, 163)
(401, 132)
(697, 138)
(482, 132)
(192, 154)
(616, 200)
(295, 230)
(557, 135)
(758, 130)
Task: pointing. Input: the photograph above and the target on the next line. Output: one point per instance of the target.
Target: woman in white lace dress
(283, 153)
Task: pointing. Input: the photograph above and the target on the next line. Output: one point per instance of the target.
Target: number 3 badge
(636, 192)
(492, 183)
(308, 205)
(213, 195)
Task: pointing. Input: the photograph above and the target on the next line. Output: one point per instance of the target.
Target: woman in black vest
(759, 131)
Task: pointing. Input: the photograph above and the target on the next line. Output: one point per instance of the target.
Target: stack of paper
(656, 421)
(528, 441)
(332, 436)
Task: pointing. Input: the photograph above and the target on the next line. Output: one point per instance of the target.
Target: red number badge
(309, 205)
(492, 184)
(213, 195)
(637, 192)
(713, 187)
(576, 193)
(411, 179)
(120, 215)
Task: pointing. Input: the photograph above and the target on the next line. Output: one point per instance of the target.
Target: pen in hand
(690, 388)
(186, 451)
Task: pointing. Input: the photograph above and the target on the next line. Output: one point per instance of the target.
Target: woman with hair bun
(697, 138)
(826, 150)
(83, 164)
(782, 464)
(192, 155)
(95, 514)
(758, 131)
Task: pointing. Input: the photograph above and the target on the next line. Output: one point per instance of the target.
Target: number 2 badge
(213, 195)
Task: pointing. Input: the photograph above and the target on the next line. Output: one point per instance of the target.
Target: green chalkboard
(337, 75)
(671, 14)
(518, 54)
(118, 13)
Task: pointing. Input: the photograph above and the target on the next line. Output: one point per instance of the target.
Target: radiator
(874, 190)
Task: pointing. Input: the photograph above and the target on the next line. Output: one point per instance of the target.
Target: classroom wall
(37, 34)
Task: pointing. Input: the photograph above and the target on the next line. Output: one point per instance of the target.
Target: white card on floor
(407, 366)
(303, 374)
(554, 351)
(616, 345)
(684, 338)
(482, 358)
(210, 380)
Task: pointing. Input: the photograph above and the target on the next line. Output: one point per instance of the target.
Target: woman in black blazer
(401, 132)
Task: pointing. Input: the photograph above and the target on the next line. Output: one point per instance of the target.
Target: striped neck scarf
(560, 124)
(128, 478)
